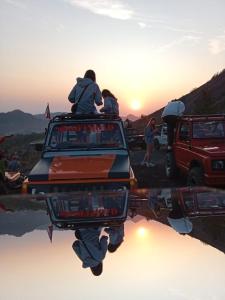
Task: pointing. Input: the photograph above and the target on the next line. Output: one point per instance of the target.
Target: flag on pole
(50, 232)
(47, 112)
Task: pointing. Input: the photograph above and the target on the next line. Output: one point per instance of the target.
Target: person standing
(85, 94)
(172, 111)
(149, 132)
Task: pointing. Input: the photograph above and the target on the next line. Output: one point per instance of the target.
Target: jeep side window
(184, 133)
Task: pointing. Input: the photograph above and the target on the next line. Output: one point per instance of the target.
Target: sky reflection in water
(154, 261)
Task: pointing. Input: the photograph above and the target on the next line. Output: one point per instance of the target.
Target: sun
(135, 104)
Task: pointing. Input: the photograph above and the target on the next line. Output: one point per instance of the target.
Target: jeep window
(184, 133)
(211, 129)
(86, 135)
(210, 199)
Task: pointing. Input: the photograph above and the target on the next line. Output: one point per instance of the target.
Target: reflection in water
(149, 236)
(97, 217)
(91, 248)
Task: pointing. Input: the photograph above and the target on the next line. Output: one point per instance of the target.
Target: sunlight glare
(142, 232)
(135, 104)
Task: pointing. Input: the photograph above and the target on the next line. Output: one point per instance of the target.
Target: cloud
(185, 39)
(117, 9)
(142, 25)
(16, 3)
(217, 44)
(109, 8)
(60, 28)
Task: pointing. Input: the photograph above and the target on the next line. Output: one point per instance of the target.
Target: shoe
(143, 163)
(151, 165)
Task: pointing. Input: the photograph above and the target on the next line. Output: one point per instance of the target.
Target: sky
(145, 52)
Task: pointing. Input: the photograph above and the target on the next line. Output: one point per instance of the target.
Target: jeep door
(183, 145)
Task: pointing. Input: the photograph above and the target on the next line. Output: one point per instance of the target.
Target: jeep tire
(171, 168)
(195, 177)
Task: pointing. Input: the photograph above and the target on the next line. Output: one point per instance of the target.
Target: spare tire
(195, 177)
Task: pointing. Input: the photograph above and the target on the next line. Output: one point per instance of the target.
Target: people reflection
(177, 217)
(116, 235)
(91, 248)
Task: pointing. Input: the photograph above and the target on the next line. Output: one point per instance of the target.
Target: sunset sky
(146, 52)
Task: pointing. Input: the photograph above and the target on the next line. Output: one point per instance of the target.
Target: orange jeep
(82, 152)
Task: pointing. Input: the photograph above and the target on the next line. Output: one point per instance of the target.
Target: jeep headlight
(218, 165)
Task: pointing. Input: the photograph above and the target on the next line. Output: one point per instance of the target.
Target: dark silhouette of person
(85, 94)
(90, 248)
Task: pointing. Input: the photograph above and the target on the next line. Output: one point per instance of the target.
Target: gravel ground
(153, 177)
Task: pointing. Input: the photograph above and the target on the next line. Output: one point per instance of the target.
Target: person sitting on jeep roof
(171, 112)
(91, 248)
(85, 94)
(111, 105)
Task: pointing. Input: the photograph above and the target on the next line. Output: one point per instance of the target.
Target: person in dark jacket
(90, 248)
(85, 94)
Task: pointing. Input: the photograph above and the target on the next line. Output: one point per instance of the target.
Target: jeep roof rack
(70, 117)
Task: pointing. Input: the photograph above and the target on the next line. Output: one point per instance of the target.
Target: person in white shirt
(172, 111)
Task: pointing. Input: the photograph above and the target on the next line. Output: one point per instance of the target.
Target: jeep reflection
(82, 152)
(199, 150)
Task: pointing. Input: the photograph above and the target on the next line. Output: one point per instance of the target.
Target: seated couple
(86, 93)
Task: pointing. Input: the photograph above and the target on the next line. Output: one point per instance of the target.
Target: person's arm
(72, 95)
(98, 96)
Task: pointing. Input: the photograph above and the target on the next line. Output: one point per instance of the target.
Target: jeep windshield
(210, 129)
(86, 136)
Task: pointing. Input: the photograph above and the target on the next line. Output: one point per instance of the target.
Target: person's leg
(171, 124)
(145, 157)
(150, 163)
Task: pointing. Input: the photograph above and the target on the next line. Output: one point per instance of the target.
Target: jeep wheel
(171, 169)
(195, 177)
(156, 144)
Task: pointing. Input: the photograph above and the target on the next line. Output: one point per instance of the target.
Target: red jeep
(199, 150)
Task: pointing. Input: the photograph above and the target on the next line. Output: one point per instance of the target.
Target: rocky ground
(153, 177)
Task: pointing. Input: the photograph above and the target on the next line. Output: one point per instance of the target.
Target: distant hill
(17, 121)
(206, 99)
(131, 117)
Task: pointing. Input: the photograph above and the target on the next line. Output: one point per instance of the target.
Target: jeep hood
(216, 150)
(81, 167)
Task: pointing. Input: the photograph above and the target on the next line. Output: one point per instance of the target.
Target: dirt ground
(153, 177)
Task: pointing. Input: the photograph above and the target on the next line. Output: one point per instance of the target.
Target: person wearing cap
(85, 94)
(90, 248)
(172, 111)
(14, 164)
